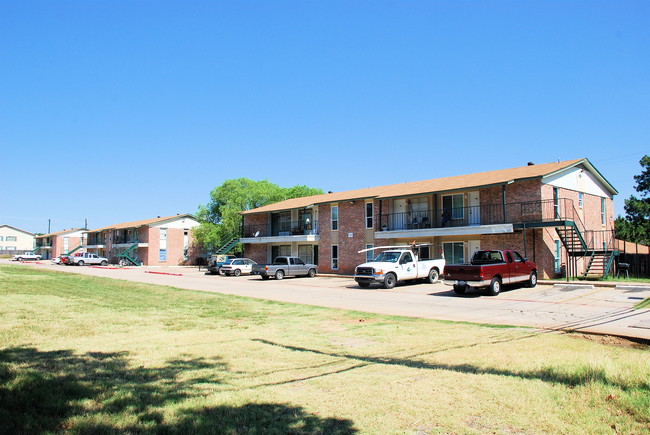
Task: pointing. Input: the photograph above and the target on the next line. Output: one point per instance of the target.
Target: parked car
(62, 259)
(216, 261)
(490, 269)
(26, 256)
(83, 258)
(237, 266)
(67, 260)
(284, 266)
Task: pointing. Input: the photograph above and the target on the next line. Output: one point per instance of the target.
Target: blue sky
(113, 111)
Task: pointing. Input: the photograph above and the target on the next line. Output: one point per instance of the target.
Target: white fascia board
(281, 239)
(453, 231)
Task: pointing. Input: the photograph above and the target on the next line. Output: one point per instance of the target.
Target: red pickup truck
(491, 269)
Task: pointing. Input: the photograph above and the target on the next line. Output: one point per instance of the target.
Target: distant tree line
(635, 226)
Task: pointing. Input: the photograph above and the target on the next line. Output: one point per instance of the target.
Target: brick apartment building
(62, 242)
(559, 215)
(152, 242)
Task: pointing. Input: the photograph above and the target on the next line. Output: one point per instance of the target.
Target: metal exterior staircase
(231, 241)
(126, 254)
(574, 238)
(75, 249)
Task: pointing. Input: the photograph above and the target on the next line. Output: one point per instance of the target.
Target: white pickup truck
(26, 256)
(397, 263)
(83, 258)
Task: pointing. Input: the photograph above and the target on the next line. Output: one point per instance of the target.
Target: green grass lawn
(81, 354)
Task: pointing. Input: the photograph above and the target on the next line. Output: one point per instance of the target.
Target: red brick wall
(255, 222)
(153, 251)
(325, 238)
(256, 252)
(175, 247)
(352, 220)
(58, 245)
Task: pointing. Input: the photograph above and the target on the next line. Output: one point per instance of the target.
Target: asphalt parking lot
(569, 307)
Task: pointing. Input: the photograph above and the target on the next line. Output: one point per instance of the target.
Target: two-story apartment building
(151, 242)
(14, 239)
(560, 215)
(62, 242)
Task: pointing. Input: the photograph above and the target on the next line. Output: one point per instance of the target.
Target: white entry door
(399, 214)
(474, 208)
(472, 247)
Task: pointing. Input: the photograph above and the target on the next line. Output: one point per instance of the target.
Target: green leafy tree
(220, 218)
(635, 226)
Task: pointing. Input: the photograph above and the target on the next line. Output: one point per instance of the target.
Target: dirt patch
(612, 340)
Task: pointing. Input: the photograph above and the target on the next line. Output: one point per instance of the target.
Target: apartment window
(335, 257)
(280, 251)
(603, 213)
(306, 253)
(454, 252)
(453, 204)
(369, 215)
(10, 239)
(370, 254)
(580, 199)
(10, 248)
(163, 244)
(0, 238)
(558, 257)
(335, 217)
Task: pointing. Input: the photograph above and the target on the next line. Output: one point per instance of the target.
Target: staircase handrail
(608, 267)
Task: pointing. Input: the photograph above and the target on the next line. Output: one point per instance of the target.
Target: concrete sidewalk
(580, 307)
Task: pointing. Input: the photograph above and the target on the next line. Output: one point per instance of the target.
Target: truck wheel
(390, 281)
(532, 281)
(237, 272)
(433, 276)
(495, 287)
(104, 263)
(279, 274)
(364, 284)
(19, 258)
(81, 263)
(311, 273)
(265, 276)
(460, 289)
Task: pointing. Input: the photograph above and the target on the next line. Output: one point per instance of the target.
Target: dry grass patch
(89, 355)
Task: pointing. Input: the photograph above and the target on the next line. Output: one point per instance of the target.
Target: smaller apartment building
(151, 242)
(15, 239)
(560, 215)
(62, 242)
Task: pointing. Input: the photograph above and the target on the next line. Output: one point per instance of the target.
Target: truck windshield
(281, 260)
(388, 257)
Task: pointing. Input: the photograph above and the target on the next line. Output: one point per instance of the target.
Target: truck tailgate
(463, 272)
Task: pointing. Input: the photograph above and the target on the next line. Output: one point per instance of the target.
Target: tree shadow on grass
(52, 391)
(572, 377)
